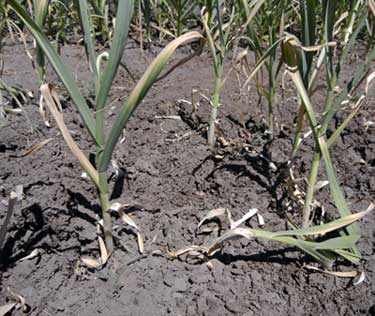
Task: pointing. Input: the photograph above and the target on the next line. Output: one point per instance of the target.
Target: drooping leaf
(59, 66)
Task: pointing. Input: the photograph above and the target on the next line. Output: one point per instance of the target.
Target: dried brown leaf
(36, 147)
(244, 218)
(91, 262)
(43, 112)
(14, 197)
(260, 220)
(340, 274)
(97, 263)
(361, 278)
(129, 221)
(230, 235)
(210, 265)
(103, 251)
(215, 213)
(21, 302)
(5, 309)
(141, 246)
(32, 255)
(320, 185)
(180, 252)
(371, 4)
(52, 100)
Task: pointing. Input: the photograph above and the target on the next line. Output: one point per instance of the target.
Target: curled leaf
(97, 263)
(230, 235)
(53, 104)
(129, 221)
(361, 278)
(21, 302)
(215, 213)
(180, 252)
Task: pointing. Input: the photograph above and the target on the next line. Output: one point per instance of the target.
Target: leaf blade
(59, 66)
(139, 92)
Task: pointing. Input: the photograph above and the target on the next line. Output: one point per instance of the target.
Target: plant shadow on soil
(169, 184)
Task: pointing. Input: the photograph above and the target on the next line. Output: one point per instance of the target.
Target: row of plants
(304, 40)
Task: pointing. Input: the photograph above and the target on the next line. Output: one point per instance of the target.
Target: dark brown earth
(170, 183)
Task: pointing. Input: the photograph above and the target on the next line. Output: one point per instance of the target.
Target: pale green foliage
(103, 83)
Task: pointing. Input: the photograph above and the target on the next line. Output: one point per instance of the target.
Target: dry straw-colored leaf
(11, 203)
(230, 235)
(260, 220)
(215, 213)
(5, 309)
(91, 262)
(36, 147)
(244, 218)
(140, 243)
(32, 255)
(97, 263)
(117, 207)
(43, 112)
(320, 185)
(316, 47)
(371, 4)
(221, 212)
(21, 302)
(210, 265)
(103, 251)
(361, 278)
(180, 252)
(52, 99)
(340, 274)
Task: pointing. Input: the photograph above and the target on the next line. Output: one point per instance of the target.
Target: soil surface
(169, 181)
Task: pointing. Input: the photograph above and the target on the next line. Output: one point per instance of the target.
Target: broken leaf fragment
(117, 207)
(97, 263)
(5, 309)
